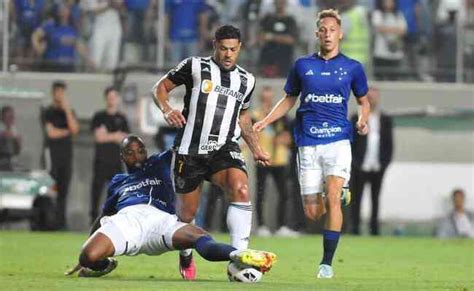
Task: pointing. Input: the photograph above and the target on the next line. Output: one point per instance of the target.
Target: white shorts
(140, 229)
(317, 162)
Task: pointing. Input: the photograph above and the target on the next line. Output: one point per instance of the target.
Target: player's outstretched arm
(364, 111)
(250, 137)
(279, 110)
(161, 92)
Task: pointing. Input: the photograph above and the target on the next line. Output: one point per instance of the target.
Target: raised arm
(250, 137)
(279, 110)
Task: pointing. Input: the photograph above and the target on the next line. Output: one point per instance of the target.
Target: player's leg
(95, 253)
(234, 181)
(310, 175)
(108, 241)
(187, 177)
(191, 236)
(337, 162)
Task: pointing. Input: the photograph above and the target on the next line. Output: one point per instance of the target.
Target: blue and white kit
(140, 212)
(322, 131)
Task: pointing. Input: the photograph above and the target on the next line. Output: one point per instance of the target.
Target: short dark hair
(458, 191)
(227, 32)
(108, 90)
(129, 139)
(58, 84)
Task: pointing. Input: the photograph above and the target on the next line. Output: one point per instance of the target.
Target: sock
(99, 265)
(187, 252)
(239, 222)
(330, 240)
(211, 250)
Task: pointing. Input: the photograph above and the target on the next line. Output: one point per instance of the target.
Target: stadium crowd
(394, 39)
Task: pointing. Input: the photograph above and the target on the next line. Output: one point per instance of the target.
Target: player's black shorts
(190, 170)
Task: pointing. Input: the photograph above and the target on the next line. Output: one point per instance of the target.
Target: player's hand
(73, 270)
(262, 158)
(174, 118)
(259, 126)
(362, 128)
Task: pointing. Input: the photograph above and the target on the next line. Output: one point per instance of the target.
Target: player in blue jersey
(324, 82)
(139, 218)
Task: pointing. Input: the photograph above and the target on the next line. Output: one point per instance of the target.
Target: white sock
(187, 252)
(239, 222)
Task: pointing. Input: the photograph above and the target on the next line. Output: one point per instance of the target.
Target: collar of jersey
(316, 55)
(221, 68)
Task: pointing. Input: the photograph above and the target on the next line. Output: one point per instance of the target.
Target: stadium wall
(428, 164)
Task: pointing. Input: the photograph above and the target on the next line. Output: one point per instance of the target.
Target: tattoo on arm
(248, 134)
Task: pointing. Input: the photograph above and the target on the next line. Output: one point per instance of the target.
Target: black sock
(211, 250)
(330, 240)
(99, 265)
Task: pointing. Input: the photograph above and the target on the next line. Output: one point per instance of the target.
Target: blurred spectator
(57, 42)
(213, 22)
(411, 10)
(371, 155)
(106, 33)
(460, 222)
(164, 138)
(27, 15)
(298, 217)
(389, 28)
(60, 125)
(214, 197)
(356, 40)
(138, 18)
(110, 127)
(448, 14)
(274, 139)
(278, 36)
(10, 140)
(186, 24)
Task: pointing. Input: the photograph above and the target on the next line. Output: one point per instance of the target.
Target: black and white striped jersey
(212, 104)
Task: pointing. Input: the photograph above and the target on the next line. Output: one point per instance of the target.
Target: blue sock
(211, 250)
(330, 240)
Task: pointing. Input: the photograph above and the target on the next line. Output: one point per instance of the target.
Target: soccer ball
(241, 273)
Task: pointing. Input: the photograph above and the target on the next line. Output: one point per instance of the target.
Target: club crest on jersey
(206, 86)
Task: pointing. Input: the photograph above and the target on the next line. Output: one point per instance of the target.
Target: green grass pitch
(37, 261)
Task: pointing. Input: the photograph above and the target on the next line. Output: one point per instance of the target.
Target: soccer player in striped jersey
(139, 218)
(324, 81)
(214, 116)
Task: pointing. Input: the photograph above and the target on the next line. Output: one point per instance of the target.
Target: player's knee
(240, 193)
(333, 200)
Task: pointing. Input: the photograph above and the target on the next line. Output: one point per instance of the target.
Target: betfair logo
(328, 98)
(206, 86)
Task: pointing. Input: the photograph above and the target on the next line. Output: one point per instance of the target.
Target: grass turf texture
(37, 261)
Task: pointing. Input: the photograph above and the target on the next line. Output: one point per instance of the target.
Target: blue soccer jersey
(150, 184)
(325, 87)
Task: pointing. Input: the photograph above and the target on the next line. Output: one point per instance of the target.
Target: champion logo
(309, 73)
